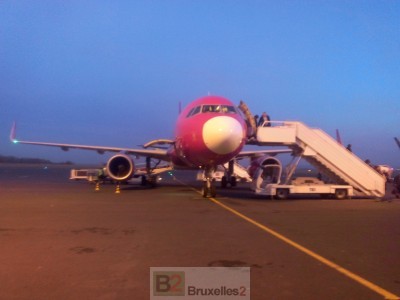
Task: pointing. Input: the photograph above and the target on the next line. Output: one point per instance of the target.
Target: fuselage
(209, 131)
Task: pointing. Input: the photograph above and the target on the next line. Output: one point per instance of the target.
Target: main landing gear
(232, 181)
(229, 178)
(149, 180)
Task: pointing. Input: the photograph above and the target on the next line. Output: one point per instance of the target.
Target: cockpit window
(190, 112)
(210, 108)
(196, 111)
(229, 109)
(219, 109)
(193, 111)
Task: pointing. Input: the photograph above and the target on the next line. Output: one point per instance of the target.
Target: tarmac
(61, 239)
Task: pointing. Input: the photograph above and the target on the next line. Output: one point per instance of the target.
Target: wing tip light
(13, 133)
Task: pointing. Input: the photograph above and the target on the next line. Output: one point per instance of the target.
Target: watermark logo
(200, 283)
(168, 283)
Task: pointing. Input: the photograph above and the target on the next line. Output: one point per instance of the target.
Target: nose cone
(222, 134)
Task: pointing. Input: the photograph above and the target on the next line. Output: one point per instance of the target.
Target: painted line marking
(366, 283)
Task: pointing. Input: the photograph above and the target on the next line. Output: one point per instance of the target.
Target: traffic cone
(117, 190)
(97, 188)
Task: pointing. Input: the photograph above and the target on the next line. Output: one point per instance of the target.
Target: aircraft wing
(154, 153)
(243, 154)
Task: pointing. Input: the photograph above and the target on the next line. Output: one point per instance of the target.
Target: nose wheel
(209, 188)
(209, 184)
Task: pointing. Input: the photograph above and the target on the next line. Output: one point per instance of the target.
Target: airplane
(210, 131)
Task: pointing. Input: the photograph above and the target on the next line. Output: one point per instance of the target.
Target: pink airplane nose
(222, 134)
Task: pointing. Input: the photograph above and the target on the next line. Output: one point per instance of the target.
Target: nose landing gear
(209, 188)
(209, 184)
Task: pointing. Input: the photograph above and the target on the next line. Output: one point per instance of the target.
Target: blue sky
(113, 72)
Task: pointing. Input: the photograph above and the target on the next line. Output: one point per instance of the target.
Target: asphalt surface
(63, 240)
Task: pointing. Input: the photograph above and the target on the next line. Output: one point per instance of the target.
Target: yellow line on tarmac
(355, 277)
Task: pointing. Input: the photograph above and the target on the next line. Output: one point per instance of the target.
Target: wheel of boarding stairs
(233, 181)
(224, 182)
(340, 194)
(282, 194)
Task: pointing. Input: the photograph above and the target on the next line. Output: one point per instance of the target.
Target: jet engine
(120, 167)
(264, 170)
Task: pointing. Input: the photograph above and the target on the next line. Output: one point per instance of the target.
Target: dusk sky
(112, 73)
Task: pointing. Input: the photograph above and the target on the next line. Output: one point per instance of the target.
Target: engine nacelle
(120, 167)
(264, 170)
(263, 161)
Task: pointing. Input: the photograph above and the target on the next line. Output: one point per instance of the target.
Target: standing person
(396, 186)
(254, 135)
(256, 119)
(264, 118)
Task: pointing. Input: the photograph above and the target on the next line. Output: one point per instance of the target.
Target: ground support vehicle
(305, 186)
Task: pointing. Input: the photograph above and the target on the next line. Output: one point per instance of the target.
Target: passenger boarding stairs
(325, 153)
(239, 172)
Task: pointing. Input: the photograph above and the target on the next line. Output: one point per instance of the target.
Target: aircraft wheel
(224, 182)
(205, 189)
(340, 194)
(282, 194)
(153, 181)
(213, 191)
(233, 181)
